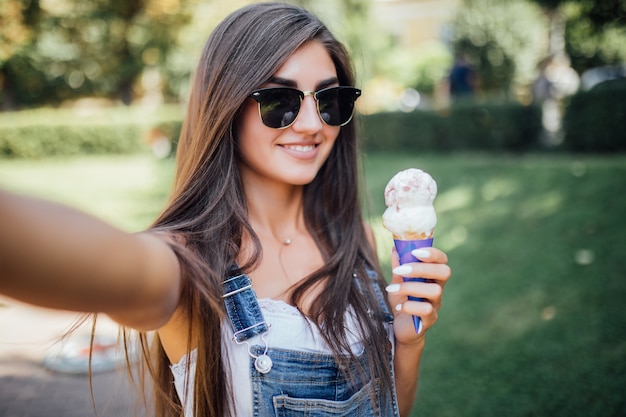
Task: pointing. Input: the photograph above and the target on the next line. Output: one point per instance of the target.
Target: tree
(501, 39)
(17, 17)
(595, 33)
(590, 32)
(96, 48)
(599, 12)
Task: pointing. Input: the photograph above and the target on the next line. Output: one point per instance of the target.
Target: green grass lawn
(534, 319)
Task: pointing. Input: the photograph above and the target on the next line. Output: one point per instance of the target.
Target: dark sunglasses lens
(278, 106)
(336, 104)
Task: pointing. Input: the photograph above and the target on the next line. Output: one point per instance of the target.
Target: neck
(276, 212)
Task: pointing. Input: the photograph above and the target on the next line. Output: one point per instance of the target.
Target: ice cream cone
(404, 248)
(410, 217)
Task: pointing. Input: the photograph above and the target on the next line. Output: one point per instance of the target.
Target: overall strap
(380, 298)
(242, 306)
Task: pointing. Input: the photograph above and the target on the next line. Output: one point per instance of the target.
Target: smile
(300, 148)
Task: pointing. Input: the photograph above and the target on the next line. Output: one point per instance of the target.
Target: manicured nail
(420, 253)
(402, 270)
(393, 288)
(399, 307)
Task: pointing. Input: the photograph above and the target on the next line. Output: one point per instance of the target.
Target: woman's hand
(434, 268)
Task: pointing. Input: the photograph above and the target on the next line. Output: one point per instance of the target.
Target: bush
(595, 121)
(402, 131)
(39, 141)
(500, 127)
(63, 132)
(504, 126)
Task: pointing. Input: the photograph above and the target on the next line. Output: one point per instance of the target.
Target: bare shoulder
(176, 333)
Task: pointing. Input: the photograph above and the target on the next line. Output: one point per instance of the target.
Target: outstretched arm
(55, 256)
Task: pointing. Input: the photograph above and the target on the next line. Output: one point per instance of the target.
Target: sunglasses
(279, 106)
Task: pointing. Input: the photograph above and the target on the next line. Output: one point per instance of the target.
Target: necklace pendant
(263, 364)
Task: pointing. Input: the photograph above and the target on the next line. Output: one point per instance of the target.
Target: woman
(260, 276)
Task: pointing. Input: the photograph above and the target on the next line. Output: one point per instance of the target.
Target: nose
(308, 119)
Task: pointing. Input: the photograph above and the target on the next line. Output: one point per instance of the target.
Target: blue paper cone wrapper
(404, 248)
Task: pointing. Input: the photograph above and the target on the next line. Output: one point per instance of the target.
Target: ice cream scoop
(410, 216)
(409, 197)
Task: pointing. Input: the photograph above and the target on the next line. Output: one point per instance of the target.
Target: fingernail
(420, 253)
(402, 269)
(393, 288)
(399, 307)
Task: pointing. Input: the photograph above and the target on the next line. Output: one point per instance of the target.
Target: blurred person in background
(462, 78)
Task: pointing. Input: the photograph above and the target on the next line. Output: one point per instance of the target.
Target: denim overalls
(289, 383)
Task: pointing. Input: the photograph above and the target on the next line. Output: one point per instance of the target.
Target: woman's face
(294, 155)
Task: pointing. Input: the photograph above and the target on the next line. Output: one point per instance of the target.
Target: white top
(289, 329)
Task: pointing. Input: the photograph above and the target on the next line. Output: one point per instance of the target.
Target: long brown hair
(207, 209)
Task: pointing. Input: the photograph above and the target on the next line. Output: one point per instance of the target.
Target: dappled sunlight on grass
(454, 238)
(542, 205)
(497, 188)
(506, 322)
(454, 199)
(584, 257)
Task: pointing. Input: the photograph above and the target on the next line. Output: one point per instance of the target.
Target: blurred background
(517, 108)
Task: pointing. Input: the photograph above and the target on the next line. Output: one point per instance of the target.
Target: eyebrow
(291, 83)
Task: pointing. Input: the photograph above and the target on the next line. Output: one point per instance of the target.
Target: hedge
(496, 126)
(39, 141)
(63, 132)
(595, 121)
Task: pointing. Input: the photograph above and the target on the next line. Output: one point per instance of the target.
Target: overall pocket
(312, 385)
(359, 405)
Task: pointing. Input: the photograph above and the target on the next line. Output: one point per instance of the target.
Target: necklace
(285, 244)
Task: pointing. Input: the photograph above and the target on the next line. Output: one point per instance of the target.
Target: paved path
(27, 389)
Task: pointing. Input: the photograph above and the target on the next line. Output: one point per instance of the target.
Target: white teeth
(301, 148)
